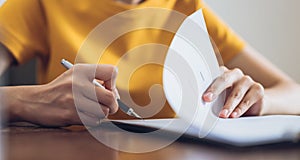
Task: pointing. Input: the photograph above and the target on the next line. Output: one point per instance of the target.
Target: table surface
(36, 143)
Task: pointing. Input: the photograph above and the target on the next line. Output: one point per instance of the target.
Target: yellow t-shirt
(54, 29)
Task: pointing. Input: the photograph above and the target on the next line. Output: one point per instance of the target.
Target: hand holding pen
(129, 111)
(69, 99)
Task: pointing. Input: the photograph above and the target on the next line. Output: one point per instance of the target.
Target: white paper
(245, 131)
(190, 43)
(189, 68)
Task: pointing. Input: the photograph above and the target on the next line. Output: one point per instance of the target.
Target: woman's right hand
(55, 104)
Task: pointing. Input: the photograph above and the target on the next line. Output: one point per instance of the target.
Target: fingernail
(224, 113)
(118, 95)
(234, 114)
(209, 96)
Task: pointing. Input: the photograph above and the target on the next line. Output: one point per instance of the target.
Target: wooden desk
(32, 143)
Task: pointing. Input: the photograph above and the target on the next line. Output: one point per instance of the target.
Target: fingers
(226, 80)
(116, 93)
(107, 73)
(109, 77)
(104, 73)
(255, 94)
(91, 107)
(111, 82)
(96, 71)
(107, 98)
(74, 89)
(244, 93)
(235, 97)
(223, 69)
(103, 96)
(86, 119)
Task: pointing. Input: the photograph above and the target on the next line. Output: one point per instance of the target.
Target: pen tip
(138, 116)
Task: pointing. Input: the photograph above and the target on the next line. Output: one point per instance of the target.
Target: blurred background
(270, 26)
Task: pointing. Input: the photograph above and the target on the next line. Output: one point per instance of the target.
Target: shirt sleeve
(228, 43)
(23, 29)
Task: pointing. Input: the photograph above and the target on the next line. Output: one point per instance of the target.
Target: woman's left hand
(245, 96)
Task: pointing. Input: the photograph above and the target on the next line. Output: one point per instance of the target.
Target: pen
(129, 111)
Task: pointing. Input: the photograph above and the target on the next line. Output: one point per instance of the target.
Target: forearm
(15, 102)
(282, 94)
(283, 98)
(6, 106)
(53, 104)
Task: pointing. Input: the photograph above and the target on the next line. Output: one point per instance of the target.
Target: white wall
(270, 26)
(2, 1)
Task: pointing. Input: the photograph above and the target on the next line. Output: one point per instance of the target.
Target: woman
(52, 30)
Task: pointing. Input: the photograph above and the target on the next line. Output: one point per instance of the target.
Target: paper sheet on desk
(246, 131)
(190, 67)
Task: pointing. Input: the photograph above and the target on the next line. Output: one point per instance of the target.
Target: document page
(196, 54)
(245, 131)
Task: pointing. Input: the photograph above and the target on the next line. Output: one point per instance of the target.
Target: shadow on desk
(34, 143)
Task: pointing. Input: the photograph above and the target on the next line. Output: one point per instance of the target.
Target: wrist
(17, 102)
(9, 107)
(266, 105)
